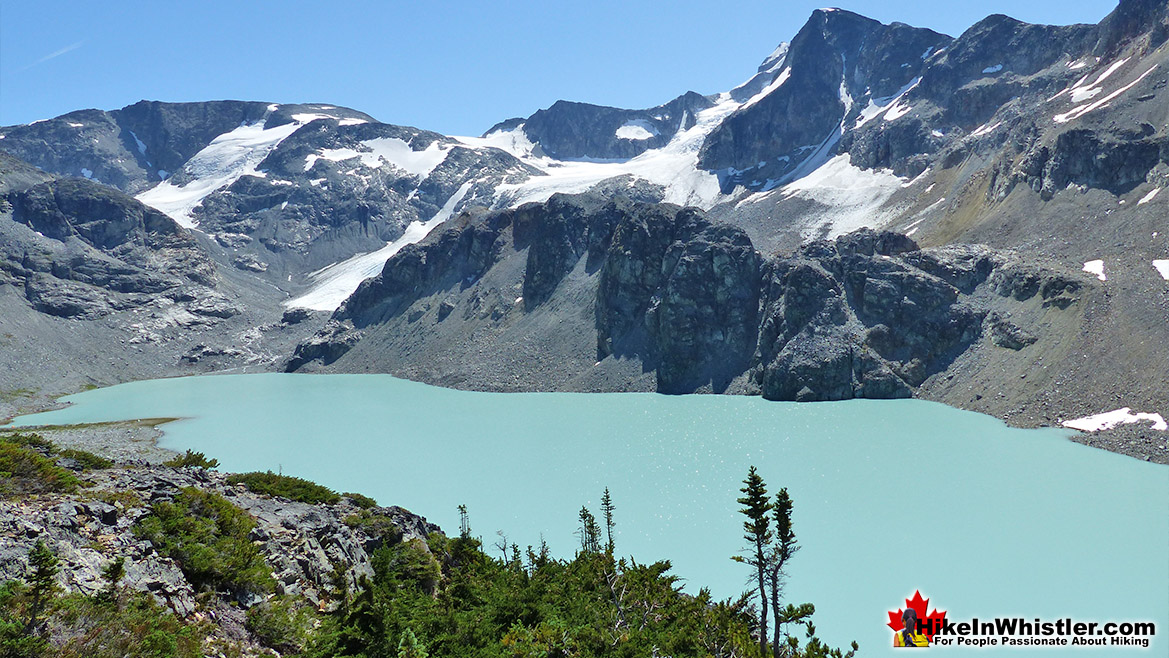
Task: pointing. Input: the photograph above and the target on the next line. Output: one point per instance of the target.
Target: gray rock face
(681, 293)
(853, 319)
(835, 63)
(867, 315)
(304, 544)
(83, 250)
(570, 130)
(127, 148)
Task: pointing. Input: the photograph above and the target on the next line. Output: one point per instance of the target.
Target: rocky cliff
(619, 294)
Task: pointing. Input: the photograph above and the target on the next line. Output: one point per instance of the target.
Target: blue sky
(452, 66)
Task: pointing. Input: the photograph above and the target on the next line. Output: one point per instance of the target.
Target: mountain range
(878, 211)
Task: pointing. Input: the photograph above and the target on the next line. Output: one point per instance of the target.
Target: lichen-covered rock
(305, 545)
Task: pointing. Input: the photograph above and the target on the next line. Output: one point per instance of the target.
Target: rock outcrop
(869, 314)
(304, 545)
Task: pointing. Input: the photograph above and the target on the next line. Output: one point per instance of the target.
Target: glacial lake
(890, 496)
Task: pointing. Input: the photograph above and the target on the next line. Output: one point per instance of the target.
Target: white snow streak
(1149, 197)
(1162, 267)
(335, 283)
(1081, 110)
(1096, 267)
(1110, 419)
(993, 69)
(775, 84)
(985, 129)
(878, 105)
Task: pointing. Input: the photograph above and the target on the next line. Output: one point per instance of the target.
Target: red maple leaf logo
(929, 623)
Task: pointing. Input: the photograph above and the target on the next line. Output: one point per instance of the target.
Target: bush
(191, 459)
(134, 626)
(283, 624)
(285, 486)
(208, 537)
(87, 460)
(362, 501)
(24, 470)
(377, 526)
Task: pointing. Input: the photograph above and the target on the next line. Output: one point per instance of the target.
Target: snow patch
(387, 150)
(853, 196)
(1096, 267)
(637, 129)
(993, 69)
(141, 146)
(878, 105)
(514, 141)
(673, 166)
(225, 160)
(163, 174)
(1149, 197)
(985, 129)
(1081, 110)
(1162, 267)
(334, 284)
(897, 111)
(1110, 419)
(82, 125)
(775, 84)
(88, 173)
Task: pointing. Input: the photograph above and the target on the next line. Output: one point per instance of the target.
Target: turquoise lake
(890, 496)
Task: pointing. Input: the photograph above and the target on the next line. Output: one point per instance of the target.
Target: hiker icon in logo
(909, 636)
(912, 626)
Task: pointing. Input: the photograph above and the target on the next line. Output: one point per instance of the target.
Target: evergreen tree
(757, 533)
(112, 573)
(607, 508)
(781, 551)
(464, 523)
(44, 582)
(590, 532)
(410, 647)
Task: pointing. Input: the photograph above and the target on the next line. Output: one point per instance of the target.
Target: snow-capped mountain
(1053, 140)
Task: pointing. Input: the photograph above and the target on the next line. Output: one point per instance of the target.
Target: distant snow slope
(673, 166)
(333, 284)
(225, 160)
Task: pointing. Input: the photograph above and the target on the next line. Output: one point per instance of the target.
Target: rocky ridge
(306, 546)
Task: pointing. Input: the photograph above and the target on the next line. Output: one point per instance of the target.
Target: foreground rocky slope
(315, 553)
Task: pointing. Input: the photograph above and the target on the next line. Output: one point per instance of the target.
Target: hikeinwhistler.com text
(1020, 632)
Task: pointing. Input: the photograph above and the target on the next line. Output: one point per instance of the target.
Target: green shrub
(133, 626)
(362, 501)
(191, 459)
(282, 623)
(24, 470)
(285, 486)
(87, 460)
(208, 537)
(34, 441)
(375, 525)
